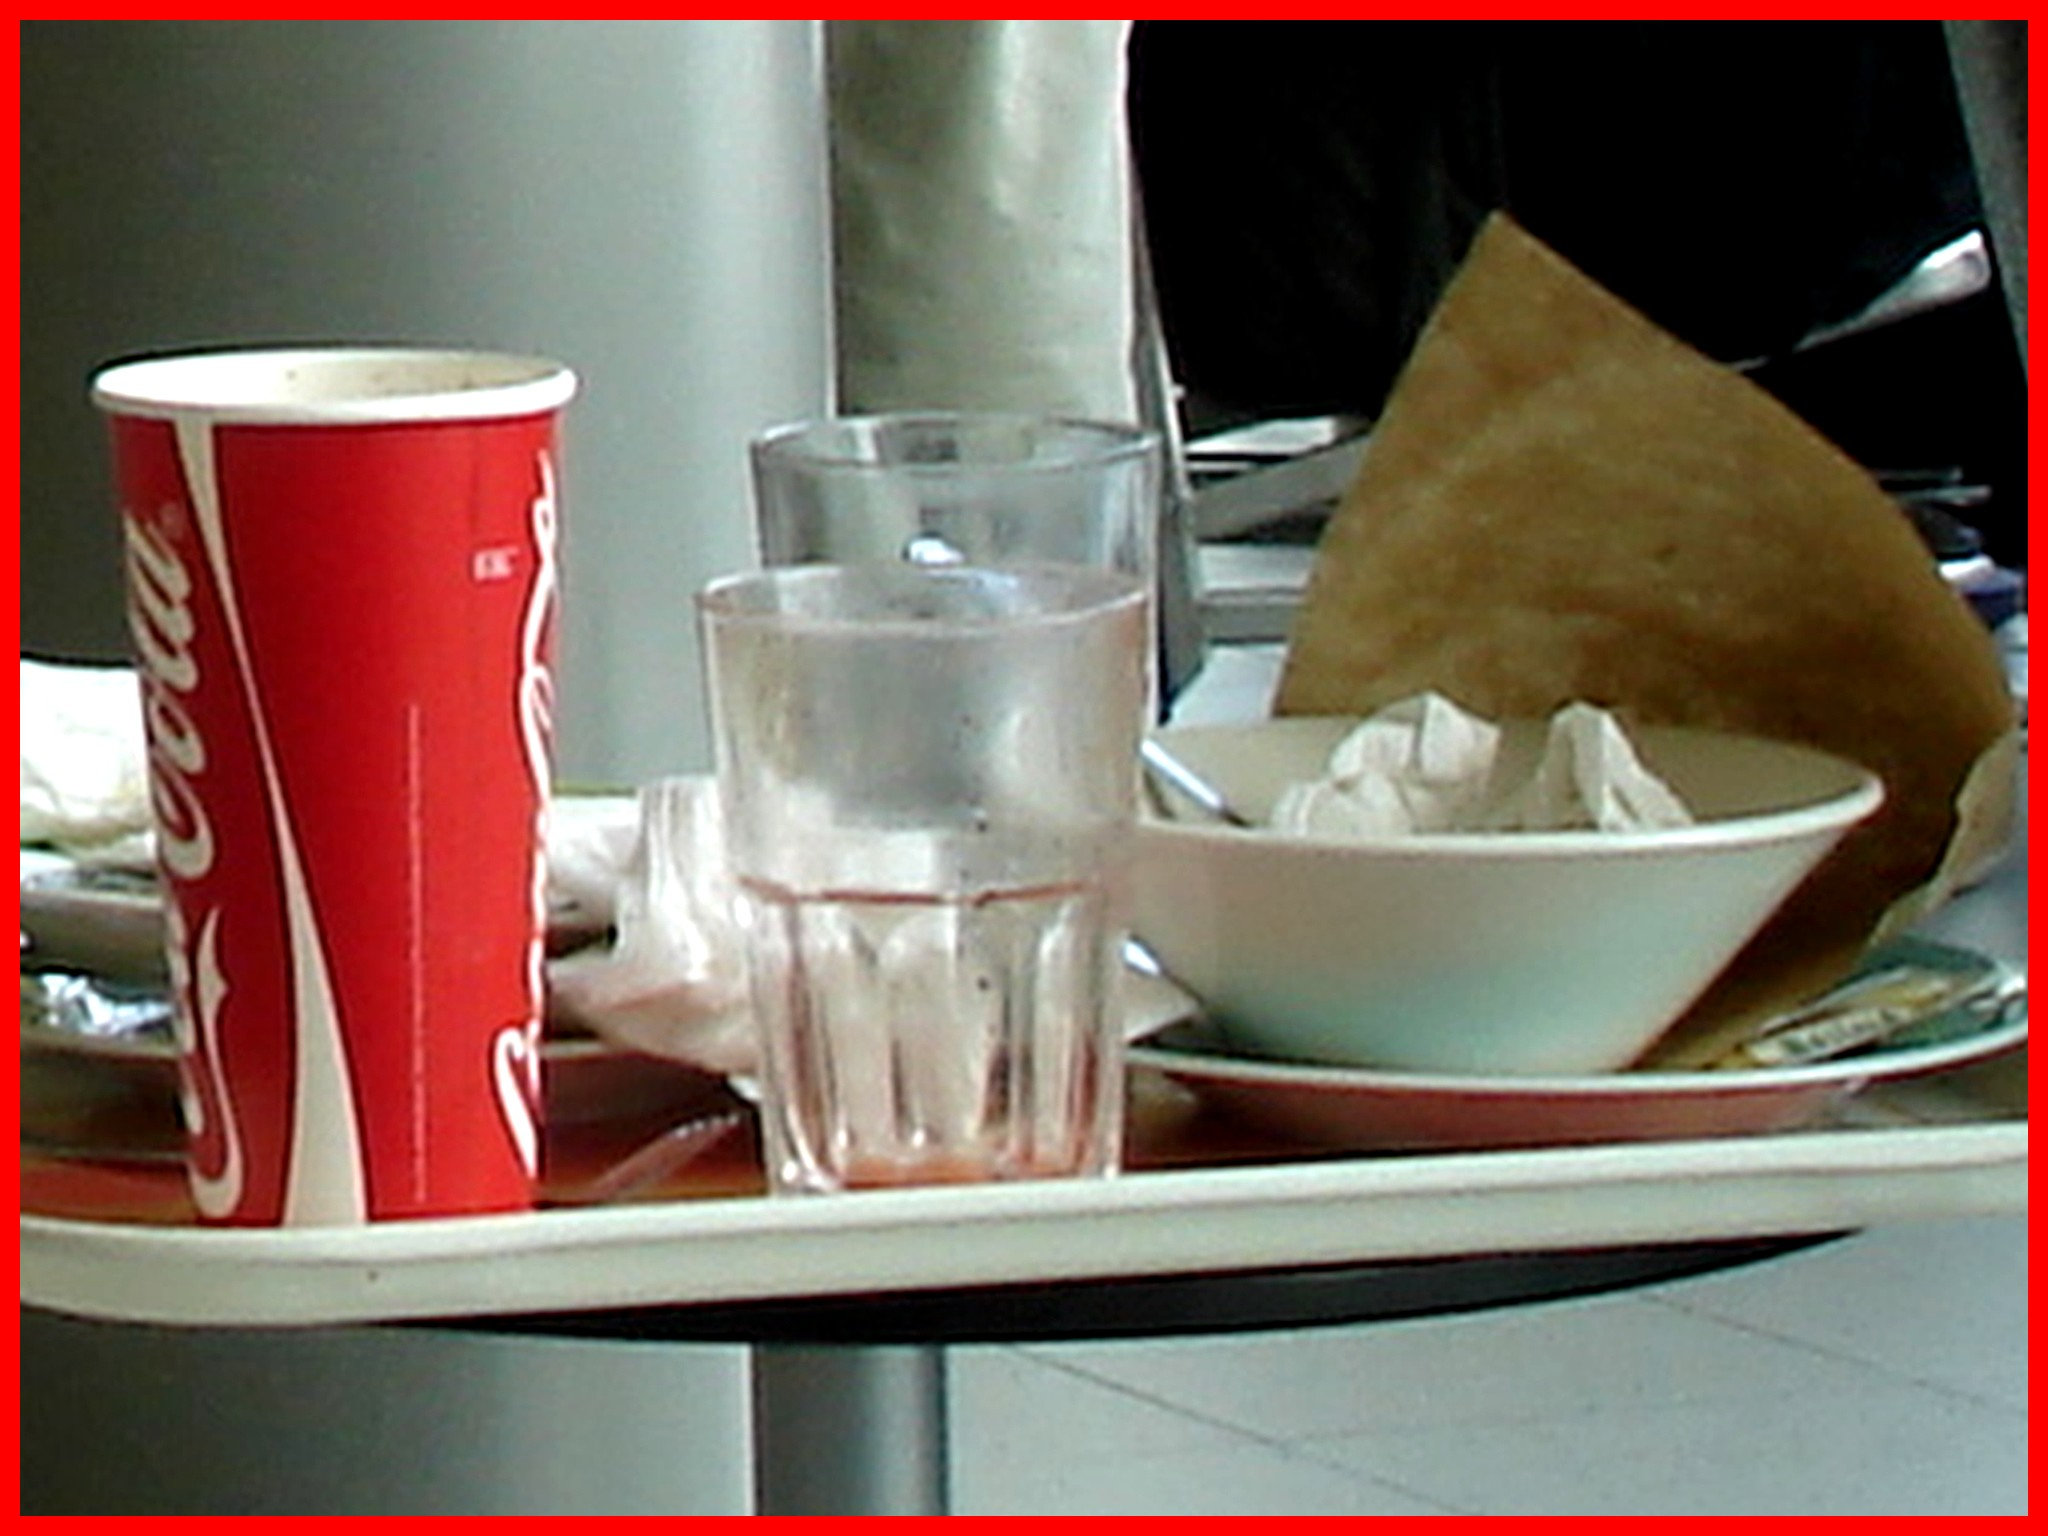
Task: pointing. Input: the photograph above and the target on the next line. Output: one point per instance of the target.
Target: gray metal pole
(850, 1430)
(1990, 63)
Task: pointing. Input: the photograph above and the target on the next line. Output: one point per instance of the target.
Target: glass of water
(928, 776)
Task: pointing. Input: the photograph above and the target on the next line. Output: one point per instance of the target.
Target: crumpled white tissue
(1421, 765)
(84, 770)
(1590, 776)
(673, 981)
(1426, 765)
(590, 842)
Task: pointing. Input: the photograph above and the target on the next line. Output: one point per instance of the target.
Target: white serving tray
(1952, 1144)
(1260, 1217)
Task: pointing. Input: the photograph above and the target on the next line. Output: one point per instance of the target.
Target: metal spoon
(1167, 769)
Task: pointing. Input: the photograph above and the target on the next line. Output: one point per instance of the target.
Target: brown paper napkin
(1563, 501)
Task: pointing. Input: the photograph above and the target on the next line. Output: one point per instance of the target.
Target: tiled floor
(1882, 1375)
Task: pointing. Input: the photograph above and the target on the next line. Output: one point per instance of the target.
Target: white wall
(644, 200)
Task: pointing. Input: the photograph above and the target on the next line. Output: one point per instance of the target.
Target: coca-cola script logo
(161, 619)
(515, 1057)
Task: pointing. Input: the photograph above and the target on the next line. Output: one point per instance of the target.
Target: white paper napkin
(84, 770)
(1426, 765)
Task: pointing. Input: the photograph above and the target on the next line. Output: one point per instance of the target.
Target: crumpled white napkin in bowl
(1426, 765)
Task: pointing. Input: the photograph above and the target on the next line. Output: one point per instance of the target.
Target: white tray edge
(1305, 1214)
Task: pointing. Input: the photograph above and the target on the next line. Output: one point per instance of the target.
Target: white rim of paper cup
(313, 386)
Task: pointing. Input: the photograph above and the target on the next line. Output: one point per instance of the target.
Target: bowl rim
(1857, 801)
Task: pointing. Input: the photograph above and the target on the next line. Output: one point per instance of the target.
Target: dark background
(1309, 187)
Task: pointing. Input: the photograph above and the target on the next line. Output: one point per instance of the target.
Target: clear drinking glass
(984, 488)
(928, 776)
(937, 923)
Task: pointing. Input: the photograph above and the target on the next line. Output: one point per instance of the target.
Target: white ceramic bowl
(1525, 952)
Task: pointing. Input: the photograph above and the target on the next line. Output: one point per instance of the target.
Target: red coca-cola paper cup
(341, 581)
